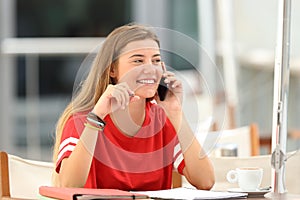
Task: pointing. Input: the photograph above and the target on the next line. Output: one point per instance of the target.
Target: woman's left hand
(173, 100)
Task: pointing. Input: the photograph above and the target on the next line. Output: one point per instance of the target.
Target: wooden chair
(246, 139)
(21, 178)
(176, 180)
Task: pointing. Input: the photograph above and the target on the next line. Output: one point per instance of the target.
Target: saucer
(250, 193)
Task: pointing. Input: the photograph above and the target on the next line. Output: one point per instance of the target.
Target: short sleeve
(179, 163)
(70, 137)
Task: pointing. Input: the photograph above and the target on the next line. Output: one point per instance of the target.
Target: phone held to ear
(162, 89)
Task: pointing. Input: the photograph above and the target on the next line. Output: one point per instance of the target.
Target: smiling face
(140, 66)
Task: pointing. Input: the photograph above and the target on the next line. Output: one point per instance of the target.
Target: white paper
(189, 193)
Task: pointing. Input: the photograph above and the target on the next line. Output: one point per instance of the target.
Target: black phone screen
(162, 89)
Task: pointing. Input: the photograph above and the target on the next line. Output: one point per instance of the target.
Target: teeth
(146, 81)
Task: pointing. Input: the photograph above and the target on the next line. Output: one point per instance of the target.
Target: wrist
(99, 114)
(94, 121)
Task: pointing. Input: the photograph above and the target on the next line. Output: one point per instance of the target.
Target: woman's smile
(146, 81)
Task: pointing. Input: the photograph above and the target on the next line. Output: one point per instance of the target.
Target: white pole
(280, 101)
(206, 37)
(225, 11)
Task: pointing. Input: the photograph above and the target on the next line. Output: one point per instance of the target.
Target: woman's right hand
(114, 97)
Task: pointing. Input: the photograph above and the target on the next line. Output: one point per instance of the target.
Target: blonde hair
(99, 76)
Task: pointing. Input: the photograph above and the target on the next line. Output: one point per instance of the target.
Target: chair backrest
(223, 164)
(21, 178)
(246, 139)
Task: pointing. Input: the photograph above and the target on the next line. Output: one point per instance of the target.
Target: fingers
(171, 80)
(175, 88)
(134, 98)
(122, 95)
(163, 66)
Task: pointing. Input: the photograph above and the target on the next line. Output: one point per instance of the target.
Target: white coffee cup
(248, 178)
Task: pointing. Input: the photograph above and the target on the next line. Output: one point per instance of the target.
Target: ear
(113, 71)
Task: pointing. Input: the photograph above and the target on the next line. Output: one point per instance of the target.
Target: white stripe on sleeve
(177, 149)
(178, 160)
(69, 147)
(68, 141)
(177, 156)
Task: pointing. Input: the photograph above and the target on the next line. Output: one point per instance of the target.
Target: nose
(149, 68)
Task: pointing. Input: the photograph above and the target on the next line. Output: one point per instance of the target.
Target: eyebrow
(141, 55)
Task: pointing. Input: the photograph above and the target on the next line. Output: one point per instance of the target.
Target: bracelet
(93, 127)
(94, 119)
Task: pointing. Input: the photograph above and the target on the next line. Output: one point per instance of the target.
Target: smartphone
(162, 89)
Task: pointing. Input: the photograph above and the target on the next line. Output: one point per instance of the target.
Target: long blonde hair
(99, 76)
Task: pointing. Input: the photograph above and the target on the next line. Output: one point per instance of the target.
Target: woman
(117, 133)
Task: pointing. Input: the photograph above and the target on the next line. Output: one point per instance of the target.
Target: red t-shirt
(142, 162)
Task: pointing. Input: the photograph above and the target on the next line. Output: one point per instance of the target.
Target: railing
(31, 49)
(49, 46)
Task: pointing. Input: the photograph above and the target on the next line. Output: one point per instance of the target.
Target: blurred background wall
(37, 79)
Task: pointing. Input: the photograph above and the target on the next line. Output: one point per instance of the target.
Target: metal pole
(280, 101)
(32, 107)
(7, 80)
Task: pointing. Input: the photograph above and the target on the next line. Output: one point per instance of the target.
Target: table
(282, 197)
(287, 197)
